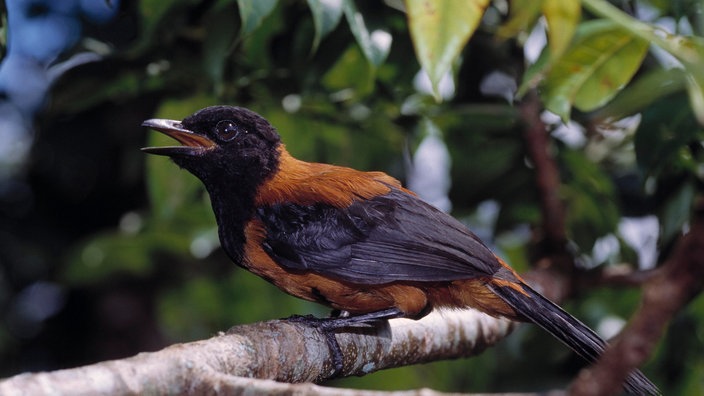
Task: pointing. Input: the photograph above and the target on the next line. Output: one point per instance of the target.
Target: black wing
(380, 240)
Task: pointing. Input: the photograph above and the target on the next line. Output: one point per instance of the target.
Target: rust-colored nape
(306, 183)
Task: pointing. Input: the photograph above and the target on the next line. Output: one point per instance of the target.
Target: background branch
(670, 289)
(558, 269)
(547, 175)
(553, 263)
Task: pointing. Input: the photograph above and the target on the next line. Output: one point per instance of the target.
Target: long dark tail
(568, 329)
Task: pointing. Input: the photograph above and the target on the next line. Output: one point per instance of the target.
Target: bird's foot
(327, 326)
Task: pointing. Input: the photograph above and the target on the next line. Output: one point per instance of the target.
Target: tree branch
(616, 276)
(547, 175)
(277, 350)
(555, 263)
(672, 287)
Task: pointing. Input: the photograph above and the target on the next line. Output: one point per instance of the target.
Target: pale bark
(278, 350)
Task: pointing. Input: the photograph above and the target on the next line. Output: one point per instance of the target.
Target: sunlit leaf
(535, 73)
(253, 13)
(695, 89)
(440, 30)
(375, 44)
(562, 17)
(642, 92)
(688, 50)
(326, 17)
(523, 14)
(602, 59)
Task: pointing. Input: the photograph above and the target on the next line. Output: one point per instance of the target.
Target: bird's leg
(328, 326)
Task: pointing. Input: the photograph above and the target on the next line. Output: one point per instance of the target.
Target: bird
(355, 241)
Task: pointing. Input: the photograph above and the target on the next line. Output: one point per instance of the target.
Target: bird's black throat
(232, 196)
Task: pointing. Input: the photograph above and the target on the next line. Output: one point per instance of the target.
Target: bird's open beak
(192, 143)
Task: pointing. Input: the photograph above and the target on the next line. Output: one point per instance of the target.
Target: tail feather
(568, 329)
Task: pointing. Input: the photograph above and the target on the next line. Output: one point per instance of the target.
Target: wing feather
(393, 237)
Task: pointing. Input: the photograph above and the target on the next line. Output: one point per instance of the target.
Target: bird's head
(221, 144)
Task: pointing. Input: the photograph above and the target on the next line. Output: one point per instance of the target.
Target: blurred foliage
(131, 241)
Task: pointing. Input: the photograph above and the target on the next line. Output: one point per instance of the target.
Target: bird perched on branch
(355, 241)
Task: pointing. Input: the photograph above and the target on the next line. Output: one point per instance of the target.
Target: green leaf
(641, 93)
(665, 131)
(535, 72)
(375, 45)
(591, 200)
(253, 13)
(351, 71)
(562, 17)
(220, 34)
(695, 90)
(440, 30)
(677, 211)
(326, 17)
(602, 59)
(688, 50)
(523, 15)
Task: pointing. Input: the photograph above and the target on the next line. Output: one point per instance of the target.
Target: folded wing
(393, 237)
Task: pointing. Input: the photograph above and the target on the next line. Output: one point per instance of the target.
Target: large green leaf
(688, 50)
(523, 14)
(602, 59)
(641, 93)
(375, 44)
(326, 17)
(535, 72)
(562, 17)
(440, 30)
(253, 13)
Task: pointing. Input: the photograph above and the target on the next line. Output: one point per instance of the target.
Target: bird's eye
(227, 130)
